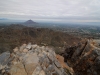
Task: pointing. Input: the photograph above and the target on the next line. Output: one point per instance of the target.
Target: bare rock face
(84, 58)
(17, 69)
(4, 59)
(33, 60)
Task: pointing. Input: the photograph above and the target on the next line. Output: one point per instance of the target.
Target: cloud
(51, 9)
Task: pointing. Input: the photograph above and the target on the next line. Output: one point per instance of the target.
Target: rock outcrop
(84, 58)
(33, 60)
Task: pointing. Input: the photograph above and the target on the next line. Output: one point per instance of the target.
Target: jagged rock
(84, 58)
(29, 46)
(15, 50)
(57, 64)
(25, 50)
(34, 46)
(32, 60)
(45, 62)
(18, 69)
(58, 71)
(37, 70)
(42, 72)
(51, 57)
(63, 64)
(50, 68)
(22, 47)
(30, 68)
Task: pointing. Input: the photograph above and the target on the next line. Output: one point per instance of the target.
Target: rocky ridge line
(33, 60)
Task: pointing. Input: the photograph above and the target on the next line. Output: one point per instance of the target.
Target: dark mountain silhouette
(31, 23)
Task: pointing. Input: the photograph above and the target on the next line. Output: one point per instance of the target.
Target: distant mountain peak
(30, 22)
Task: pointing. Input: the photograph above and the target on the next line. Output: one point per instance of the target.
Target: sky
(51, 10)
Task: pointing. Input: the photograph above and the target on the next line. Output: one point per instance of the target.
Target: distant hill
(31, 23)
(3, 19)
(15, 35)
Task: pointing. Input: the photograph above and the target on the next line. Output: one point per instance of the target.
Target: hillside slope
(16, 35)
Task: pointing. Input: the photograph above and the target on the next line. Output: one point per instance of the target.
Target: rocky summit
(84, 58)
(33, 60)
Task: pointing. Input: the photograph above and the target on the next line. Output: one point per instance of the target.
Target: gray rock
(25, 50)
(97, 52)
(29, 46)
(57, 64)
(22, 47)
(50, 68)
(16, 49)
(30, 68)
(57, 70)
(4, 59)
(42, 72)
(31, 60)
(51, 57)
(97, 63)
(34, 46)
(17, 69)
(46, 62)
(37, 70)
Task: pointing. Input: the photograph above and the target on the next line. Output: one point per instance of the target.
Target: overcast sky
(51, 10)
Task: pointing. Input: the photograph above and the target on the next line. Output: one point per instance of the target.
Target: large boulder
(33, 60)
(17, 69)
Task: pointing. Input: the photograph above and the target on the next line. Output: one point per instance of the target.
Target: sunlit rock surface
(33, 60)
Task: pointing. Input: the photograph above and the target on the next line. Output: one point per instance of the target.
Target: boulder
(25, 50)
(22, 47)
(29, 46)
(32, 60)
(4, 59)
(17, 69)
(15, 49)
(30, 68)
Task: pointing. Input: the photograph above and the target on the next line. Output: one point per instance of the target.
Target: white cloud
(50, 9)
